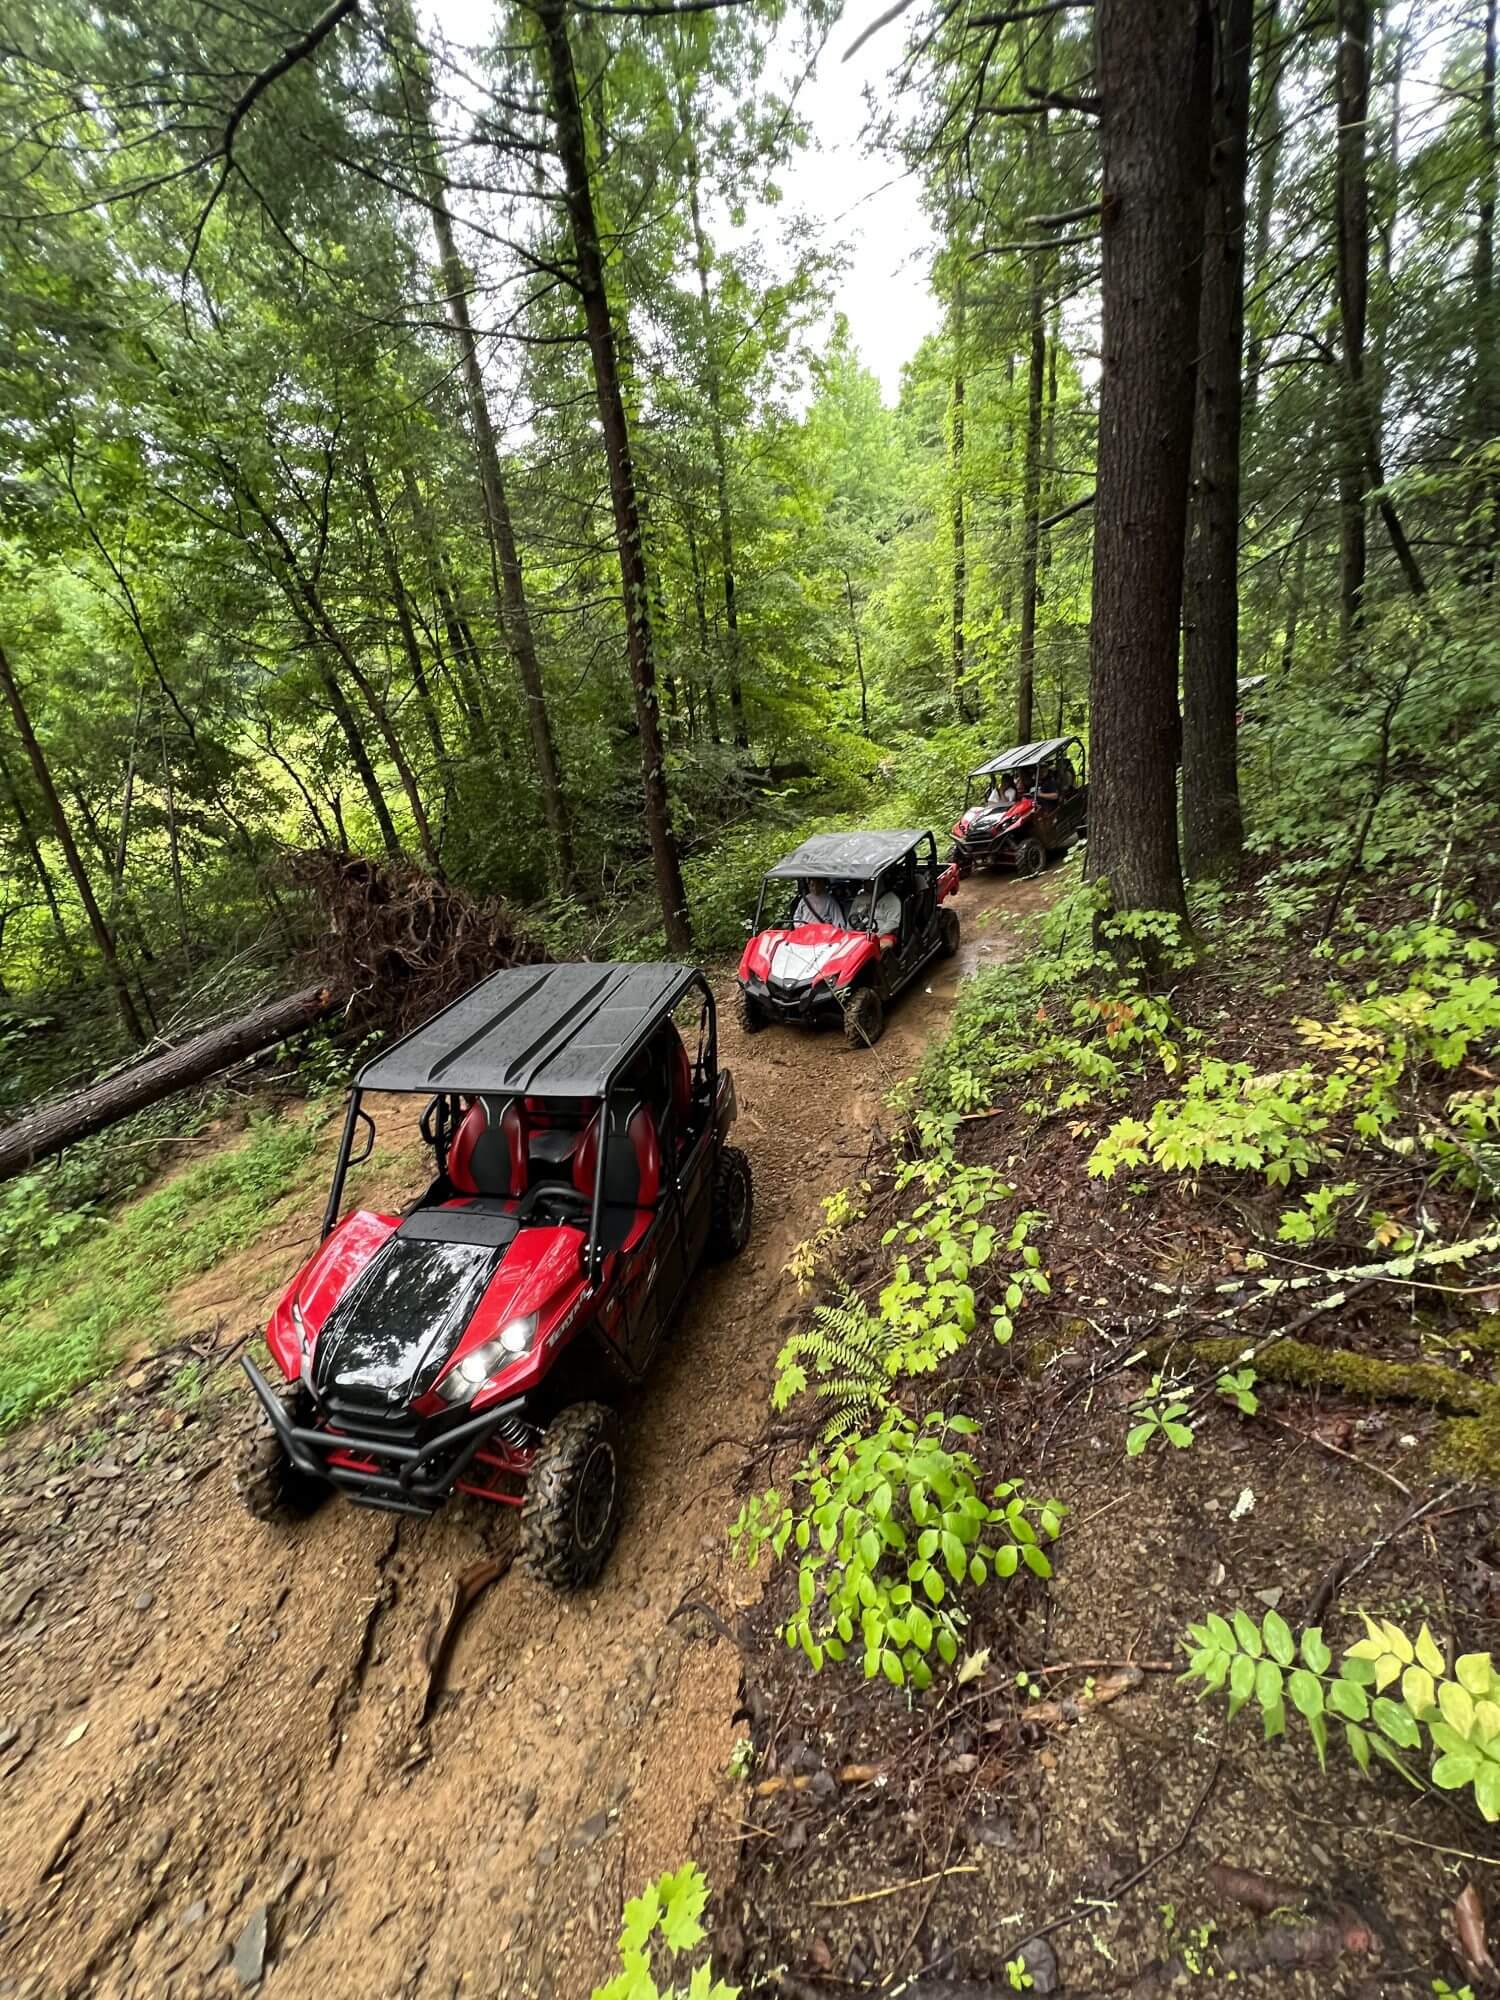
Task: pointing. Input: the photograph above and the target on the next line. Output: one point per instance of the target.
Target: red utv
(1022, 807)
(854, 917)
(476, 1341)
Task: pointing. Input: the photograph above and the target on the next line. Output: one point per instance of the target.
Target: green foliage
(65, 1317)
(1287, 1123)
(32, 1224)
(1225, 1116)
(1390, 1691)
(1315, 1218)
(1072, 1022)
(1018, 1978)
(667, 1915)
(1158, 1418)
(850, 1356)
(890, 1532)
(1237, 1386)
(844, 1207)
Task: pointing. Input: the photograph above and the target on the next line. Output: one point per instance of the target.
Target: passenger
(888, 916)
(817, 904)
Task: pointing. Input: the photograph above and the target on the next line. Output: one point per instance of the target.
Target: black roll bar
(341, 1165)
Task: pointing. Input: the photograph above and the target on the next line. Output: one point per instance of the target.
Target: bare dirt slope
(212, 1753)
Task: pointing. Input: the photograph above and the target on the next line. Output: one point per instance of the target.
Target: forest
(449, 521)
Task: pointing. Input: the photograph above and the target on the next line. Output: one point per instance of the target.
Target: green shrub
(890, 1531)
(1389, 1693)
(667, 1916)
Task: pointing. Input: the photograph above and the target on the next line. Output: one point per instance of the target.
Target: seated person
(1046, 789)
(888, 915)
(817, 904)
(1067, 778)
(859, 909)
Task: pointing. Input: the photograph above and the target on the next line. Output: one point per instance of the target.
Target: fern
(848, 1358)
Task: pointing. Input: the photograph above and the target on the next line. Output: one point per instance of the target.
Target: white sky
(865, 201)
(852, 198)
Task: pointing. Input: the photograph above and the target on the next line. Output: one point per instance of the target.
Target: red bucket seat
(488, 1155)
(632, 1172)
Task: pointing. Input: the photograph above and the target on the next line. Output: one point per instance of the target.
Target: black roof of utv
(850, 857)
(1022, 755)
(534, 1030)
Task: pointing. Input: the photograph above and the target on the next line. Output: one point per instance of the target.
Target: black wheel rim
(596, 1498)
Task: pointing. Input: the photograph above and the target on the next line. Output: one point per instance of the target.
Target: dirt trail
(206, 1726)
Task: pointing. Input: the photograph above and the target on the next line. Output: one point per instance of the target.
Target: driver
(1046, 789)
(817, 904)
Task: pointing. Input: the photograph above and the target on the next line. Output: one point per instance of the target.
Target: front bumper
(796, 1003)
(398, 1472)
(999, 849)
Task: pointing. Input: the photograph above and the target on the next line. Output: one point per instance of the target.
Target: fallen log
(52, 1127)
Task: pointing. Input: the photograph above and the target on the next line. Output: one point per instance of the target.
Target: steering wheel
(558, 1195)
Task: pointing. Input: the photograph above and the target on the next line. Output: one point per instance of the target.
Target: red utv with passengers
(475, 1341)
(1022, 807)
(854, 917)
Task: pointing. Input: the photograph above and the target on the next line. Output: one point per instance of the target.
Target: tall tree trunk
(390, 557)
(37, 858)
(1352, 228)
(700, 607)
(103, 939)
(302, 588)
(1031, 499)
(1213, 832)
(507, 575)
(122, 838)
(1294, 608)
(1486, 331)
(713, 384)
(1390, 218)
(174, 843)
(1052, 484)
(353, 736)
(859, 656)
(1268, 129)
(1154, 71)
(466, 666)
(573, 154)
(1359, 454)
(956, 475)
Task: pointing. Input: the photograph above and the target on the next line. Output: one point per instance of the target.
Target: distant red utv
(854, 917)
(477, 1341)
(1022, 807)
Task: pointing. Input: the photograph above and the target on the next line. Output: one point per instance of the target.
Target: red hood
(1000, 819)
(322, 1282)
(808, 954)
(541, 1271)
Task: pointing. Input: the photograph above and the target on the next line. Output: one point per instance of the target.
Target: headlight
(467, 1377)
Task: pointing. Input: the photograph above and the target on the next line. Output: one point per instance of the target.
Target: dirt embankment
(212, 1756)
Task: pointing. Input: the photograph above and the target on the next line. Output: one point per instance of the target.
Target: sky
(865, 201)
(853, 198)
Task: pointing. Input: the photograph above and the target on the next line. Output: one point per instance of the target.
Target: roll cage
(854, 874)
(439, 1121)
(1028, 757)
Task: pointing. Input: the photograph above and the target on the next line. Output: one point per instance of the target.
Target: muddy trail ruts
(212, 1755)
